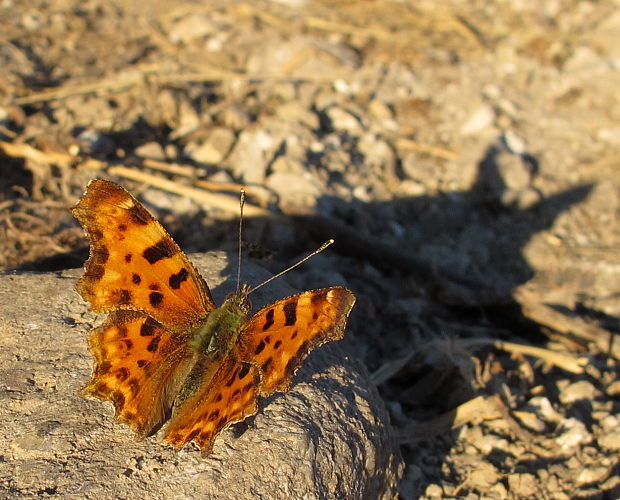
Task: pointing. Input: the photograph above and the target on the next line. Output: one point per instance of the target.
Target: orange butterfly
(166, 350)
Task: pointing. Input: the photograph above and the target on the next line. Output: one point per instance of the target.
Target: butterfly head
(238, 301)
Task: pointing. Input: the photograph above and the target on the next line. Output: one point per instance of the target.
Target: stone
(328, 437)
(214, 149)
(251, 154)
(342, 120)
(581, 390)
(611, 440)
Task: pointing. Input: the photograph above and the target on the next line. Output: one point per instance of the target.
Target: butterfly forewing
(279, 336)
(134, 263)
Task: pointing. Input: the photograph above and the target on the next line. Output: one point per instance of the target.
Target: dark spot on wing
(295, 360)
(135, 278)
(142, 363)
(104, 367)
(122, 227)
(101, 254)
(232, 379)
(259, 347)
(124, 297)
(294, 334)
(163, 249)
(244, 371)
(122, 331)
(155, 298)
(214, 415)
(267, 364)
(117, 398)
(154, 286)
(96, 234)
(315, 316)
(247, 387)
(319, 297)
(277, 344)
(134, 386)
(101, 389)
(175, 280)
(290, 312)
(95, 272)
(128, 257)
(235, 395)
(148, 328)
(139, 215)
(218, 397)
(122, 373)
(152, 347)
(268, 320)
(192, 435)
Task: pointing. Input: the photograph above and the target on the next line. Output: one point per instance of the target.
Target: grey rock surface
(328, 437)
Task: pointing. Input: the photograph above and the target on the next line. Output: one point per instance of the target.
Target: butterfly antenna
(241, 203)
(298, 263)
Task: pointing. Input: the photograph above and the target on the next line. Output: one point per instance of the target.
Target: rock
(592, 475)
(295, 112)
(611, 440)
(342, 120)
(582, 390)
(192, 27)
(93, 142)
(152, 150)
(251, 154)
(214, 149)
(301, 55)
(234, 117)
(328, 437)
(296, 190)
(484, 476)
(576, 434)
(481, 118)
(609, 422)
(544, 408)
(522, 485)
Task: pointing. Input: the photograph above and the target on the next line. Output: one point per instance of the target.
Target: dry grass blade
(534, 309)
(211, 200)
(473, 411)
(142, 77)
(26, 151)
(387, 370)
(564, 361)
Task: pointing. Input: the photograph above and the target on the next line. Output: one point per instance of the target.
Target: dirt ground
(464, 155)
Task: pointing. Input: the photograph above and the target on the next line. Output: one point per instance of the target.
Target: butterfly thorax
(219, 331)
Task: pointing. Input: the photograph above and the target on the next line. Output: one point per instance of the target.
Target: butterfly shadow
(452, 258)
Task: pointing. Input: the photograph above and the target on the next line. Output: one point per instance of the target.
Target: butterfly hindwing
(226, 395)
(139, 366)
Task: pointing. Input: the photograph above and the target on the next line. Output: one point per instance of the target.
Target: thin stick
(318, 250)
(211, 200)
(564, 361)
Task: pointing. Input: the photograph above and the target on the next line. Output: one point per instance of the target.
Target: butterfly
(166, 353)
